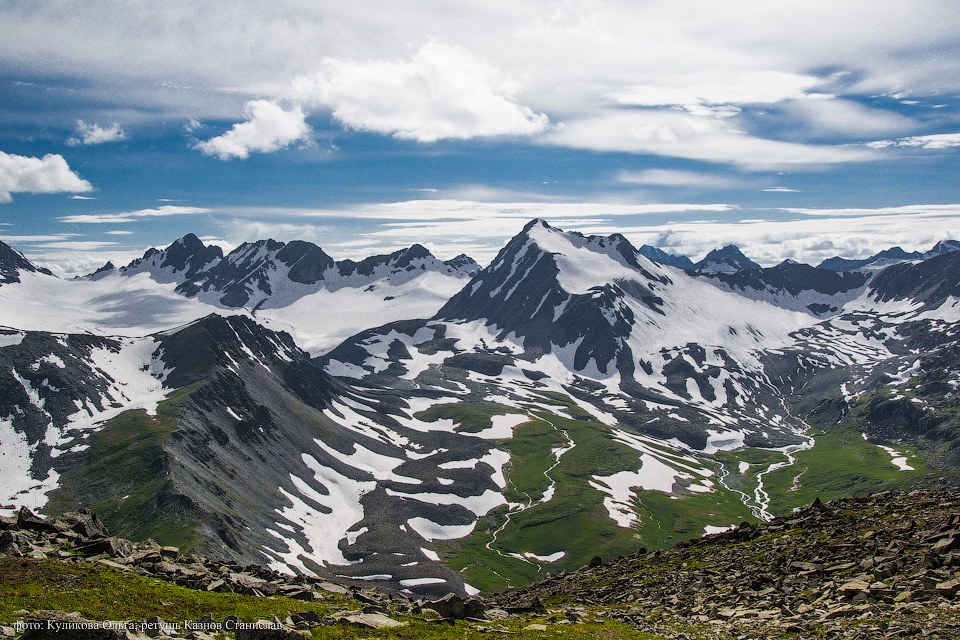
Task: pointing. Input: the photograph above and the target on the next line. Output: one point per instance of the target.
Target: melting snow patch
(431, 531)
(11, 339)
(653, 475)
(898, 459)
(371, 577)
(723, 441)
(353, 535)
(323, 531)
(553, 557)
(417, 582)
(17, 484)
(479, 505)
(502, 426)
(431, 554)
(710, 529)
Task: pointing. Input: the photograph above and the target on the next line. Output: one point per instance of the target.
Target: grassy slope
(575, 519)
(122, 477)
(841, 463)
(101, 593)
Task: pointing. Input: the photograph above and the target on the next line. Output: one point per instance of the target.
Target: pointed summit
(881, 259)
(728, 259)
(536, 222)
(12, 262)
(182, 260)
(942, 247)
(463, 264)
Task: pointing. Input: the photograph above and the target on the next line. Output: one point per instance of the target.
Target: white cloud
(781, 190)
(459, 210)
(26, 174)
(442, 92)
(131, 216)
(863, 212)
(241, 230)
(679, 178)
(719, 92)
(37, 238)
(76, 197)
(118, 233)
(92, 133)
(935, 141)
(567, 54)
(680, 135)
(268, 127)
(810, 239)
(845, 117)
(79, 245)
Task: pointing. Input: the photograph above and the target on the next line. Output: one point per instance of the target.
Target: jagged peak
(537, 222)
(417, 251)
(726, 251)
(12, 262)
(106, 268)
(189, 241)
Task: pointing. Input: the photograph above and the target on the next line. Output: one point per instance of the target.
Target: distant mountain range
(432, 426)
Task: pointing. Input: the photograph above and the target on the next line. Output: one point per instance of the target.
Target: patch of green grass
(470, 416)
(840, 464)
(97, 592)
(122, 477)
(468, 630)
(575, 520)
(665, 520)
(102, 593)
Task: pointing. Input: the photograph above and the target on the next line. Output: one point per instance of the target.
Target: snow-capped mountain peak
(183, 260)
(12, 262)
(728, 259)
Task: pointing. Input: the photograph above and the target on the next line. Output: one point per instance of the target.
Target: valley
(431, 426)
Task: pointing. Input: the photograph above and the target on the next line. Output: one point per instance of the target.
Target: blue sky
(795, 129)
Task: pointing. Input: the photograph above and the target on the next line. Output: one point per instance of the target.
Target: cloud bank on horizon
(453, 123)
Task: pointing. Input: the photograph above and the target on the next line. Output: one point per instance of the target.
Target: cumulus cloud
(442, 92)
(268, 127)
(680, 135)
(92, 133)
(26, 174)
(131, 216)
(935, 141)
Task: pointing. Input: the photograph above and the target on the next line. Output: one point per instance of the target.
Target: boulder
(29, 521)
(367, 620)
(116, 547)
(83, 522)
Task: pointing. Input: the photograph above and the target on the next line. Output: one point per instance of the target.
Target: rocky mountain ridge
(572, 398)
(271, 273)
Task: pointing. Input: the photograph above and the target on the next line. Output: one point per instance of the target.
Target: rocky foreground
(884, 566)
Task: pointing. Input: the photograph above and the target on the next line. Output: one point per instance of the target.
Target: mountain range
(433, 426)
